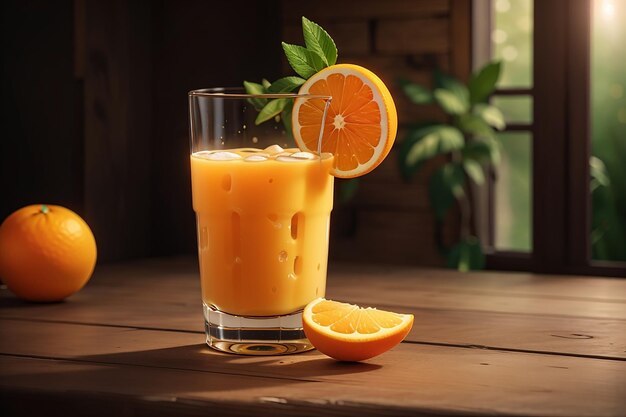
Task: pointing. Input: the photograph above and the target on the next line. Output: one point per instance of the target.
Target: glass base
(259, 336)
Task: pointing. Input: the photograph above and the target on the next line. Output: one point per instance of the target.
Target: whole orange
(47, 252)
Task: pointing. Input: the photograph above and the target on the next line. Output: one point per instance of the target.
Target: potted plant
(469, 143)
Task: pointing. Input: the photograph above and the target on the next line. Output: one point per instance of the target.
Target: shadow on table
(185, 369)
(200, 358)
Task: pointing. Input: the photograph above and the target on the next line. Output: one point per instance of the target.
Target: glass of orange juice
(263, 211)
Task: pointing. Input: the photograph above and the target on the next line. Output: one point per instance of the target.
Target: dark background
(94, 107)
(94, 100)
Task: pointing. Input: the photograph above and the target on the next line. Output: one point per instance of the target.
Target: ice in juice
(263, 223)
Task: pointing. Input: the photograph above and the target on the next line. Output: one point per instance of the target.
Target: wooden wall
(95, 108)
(389, 220)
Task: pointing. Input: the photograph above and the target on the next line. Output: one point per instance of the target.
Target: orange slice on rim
(361, 121)
(348, 332)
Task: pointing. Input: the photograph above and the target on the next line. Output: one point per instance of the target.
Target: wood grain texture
(117, 111)
(412, 36)
(156, 364)
(347, 9)
(490, 310)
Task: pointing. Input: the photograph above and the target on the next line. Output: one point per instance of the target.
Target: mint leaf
(271, 109)
(254, 88)
(304, 62)
(285, 85)
(319, 41)
(266, 83)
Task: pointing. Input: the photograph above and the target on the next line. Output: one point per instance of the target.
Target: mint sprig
(318, 53)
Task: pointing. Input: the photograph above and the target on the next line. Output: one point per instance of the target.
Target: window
(563, 95)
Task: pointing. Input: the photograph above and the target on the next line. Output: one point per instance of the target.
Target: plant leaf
(445, 186)
(271, 109)
(285, 85)
(474, 170)
(599, 174)
(453, 85)
(415, 92)
(424, 142)
(466, 255)
(254, 88)
(482, 83)
(450, 102)
(286, 118)
(266, 84)
(347, 189)
(478, 151)
(476, 126)
(491, 115)
(304, 62)
(319, 41)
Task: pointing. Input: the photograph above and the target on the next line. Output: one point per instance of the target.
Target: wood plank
(450, 308)
(412, 36)
(157, 365)
(371, 9)
(117, 111)
(351, 37)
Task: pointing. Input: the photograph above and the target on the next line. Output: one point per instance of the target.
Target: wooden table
(131, 344)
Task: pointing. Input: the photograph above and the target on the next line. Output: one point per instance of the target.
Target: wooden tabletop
(131, 343)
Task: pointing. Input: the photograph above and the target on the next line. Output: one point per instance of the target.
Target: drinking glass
(263, 211)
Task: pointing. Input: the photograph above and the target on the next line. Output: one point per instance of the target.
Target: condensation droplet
(318, 267)
(317, 291)
(238, 260)
(292, 276)
(255, 139)
(282, 256)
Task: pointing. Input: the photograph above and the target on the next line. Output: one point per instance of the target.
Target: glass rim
(238, 92)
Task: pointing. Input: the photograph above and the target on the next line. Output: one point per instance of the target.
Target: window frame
(561, 145)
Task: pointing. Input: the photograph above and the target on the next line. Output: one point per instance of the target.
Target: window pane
(513, 204)
(516, 109)
(608, 130)
(511, 40)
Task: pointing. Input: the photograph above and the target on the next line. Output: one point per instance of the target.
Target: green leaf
(491, 115)
(415, 92)
(450, 102)
(285, 85)
(474, 170)
(319, 41)
(445, 186)
(304, 62)
(254, 88)
(271, 109)
(476, 126)
(466, 255)
(453, 85)
(599, 174)
(347, 189)
(481, 152)
(482, 84)
(424, 142)
(286, 118)
(266, 84)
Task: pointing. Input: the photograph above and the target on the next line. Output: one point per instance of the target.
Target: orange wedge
(348, 332)
(361, 122)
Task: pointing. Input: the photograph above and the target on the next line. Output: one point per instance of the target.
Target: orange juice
(263, 222)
